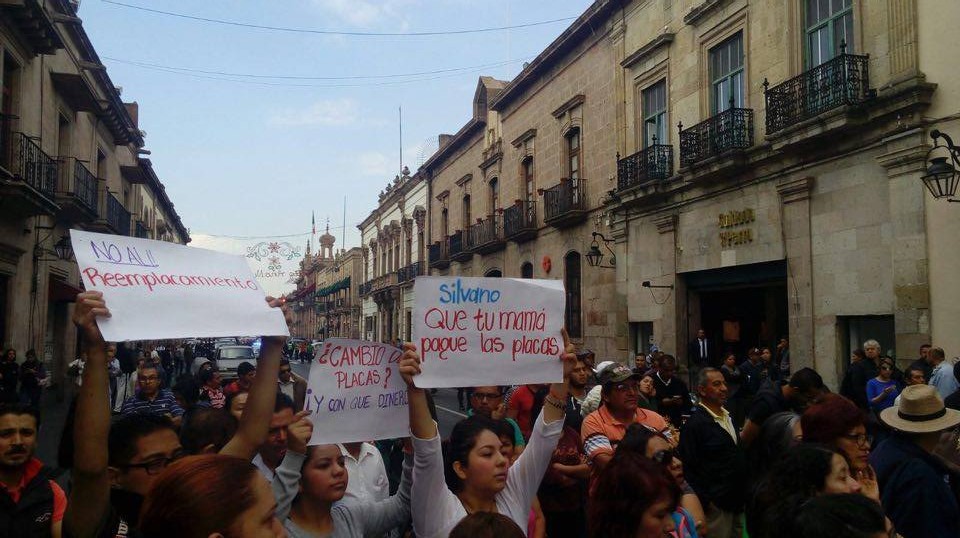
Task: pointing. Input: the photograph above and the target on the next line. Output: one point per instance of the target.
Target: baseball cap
(602, 366)
(616, 374)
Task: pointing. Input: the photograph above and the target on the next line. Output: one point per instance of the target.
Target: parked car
(228, 358)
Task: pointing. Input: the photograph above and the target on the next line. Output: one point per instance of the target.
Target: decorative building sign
(732, 231)
(275, 261)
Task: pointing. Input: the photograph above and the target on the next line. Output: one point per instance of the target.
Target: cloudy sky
(252, 129)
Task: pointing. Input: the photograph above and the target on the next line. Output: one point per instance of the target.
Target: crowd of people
(745, 449)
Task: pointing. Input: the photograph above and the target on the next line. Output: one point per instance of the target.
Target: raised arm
(89, 502)
(255, 421)
(555, 404)
(421, 423)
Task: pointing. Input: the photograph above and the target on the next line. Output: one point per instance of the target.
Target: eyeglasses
(664, 457)
(481, 396)
(863, 440)
(154, 466)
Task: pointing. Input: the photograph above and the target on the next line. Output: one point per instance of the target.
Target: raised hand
(409, 365)
(868, 483)
(299, 432)
(90, 305)
(280, 303)
(569, 355)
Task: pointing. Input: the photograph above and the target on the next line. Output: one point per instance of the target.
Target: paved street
(445, 400)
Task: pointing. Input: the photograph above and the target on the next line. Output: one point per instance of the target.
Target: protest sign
(488, 331)
(157, 290)
(355, 393)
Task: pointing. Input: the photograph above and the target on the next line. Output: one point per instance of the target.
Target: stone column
(904, 161)
(798, 250)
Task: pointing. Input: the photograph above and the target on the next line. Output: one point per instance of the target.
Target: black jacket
(715, 466)
(33, 515)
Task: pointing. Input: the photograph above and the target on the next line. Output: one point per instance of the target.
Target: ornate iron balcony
(730, 129)
(485, 236)
(85, 186)
(520, 221)
(438, 254)
(410, 272)
(841, 81)
(457, 250)
(32, 166)
(117, 216)
(364, 289)
(565, 204)
(651, 163)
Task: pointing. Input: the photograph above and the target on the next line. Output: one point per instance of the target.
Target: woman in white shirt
(477, 480)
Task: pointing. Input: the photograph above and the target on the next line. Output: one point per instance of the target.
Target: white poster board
(488, 331)
(157, 290)
(355, 393)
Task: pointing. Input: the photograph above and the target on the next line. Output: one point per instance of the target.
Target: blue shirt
(943, 379)
(163, 404)
(875, 388)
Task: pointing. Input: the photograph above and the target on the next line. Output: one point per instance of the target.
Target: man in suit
(698, 355)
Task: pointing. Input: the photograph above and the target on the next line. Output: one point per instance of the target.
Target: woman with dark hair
(635, 498)
(804, 472)
(487, 525)
(317, 511)
(209, 495)
(236, 403)
(840, 516)
(479, 471)
(837, 422)
(778, 434)
(688, 517)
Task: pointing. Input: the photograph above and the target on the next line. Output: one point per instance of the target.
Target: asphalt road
(448, 412)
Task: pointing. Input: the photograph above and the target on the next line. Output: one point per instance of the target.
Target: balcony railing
(383, 282)
(458, 251)
(30, 164)
(565, 204)
(730, 129)
(84, 186)
(520, 221)
(651, 163)
(841, 81)
(485, 236)
(364, 289)
(439, 254)
(410, 272)
(117, 216)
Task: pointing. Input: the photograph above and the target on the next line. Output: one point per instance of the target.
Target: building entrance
(739, 308)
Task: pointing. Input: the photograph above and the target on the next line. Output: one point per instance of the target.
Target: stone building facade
(755, 167)
(518, 191)
(70, 157)
(394, 254)
(337, 298)
(772, 178)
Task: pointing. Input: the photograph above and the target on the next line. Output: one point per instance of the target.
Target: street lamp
(595, 255)
(941, 177)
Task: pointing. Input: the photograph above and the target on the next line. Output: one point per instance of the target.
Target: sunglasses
(664, 457)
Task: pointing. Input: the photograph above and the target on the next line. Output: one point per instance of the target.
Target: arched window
(571, 281)
(526, 270)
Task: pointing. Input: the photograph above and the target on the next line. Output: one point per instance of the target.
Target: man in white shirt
(367, 475)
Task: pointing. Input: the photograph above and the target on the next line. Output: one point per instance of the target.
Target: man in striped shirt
(152, 400)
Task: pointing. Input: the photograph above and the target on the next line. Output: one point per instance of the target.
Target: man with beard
(30, 503)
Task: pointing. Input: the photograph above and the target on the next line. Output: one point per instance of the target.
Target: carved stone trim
(661, 40)
(697, 13)
(795, 190)
(666, 223)
(527, 135)
(571, 103)
(464, 180)
(419, 215)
